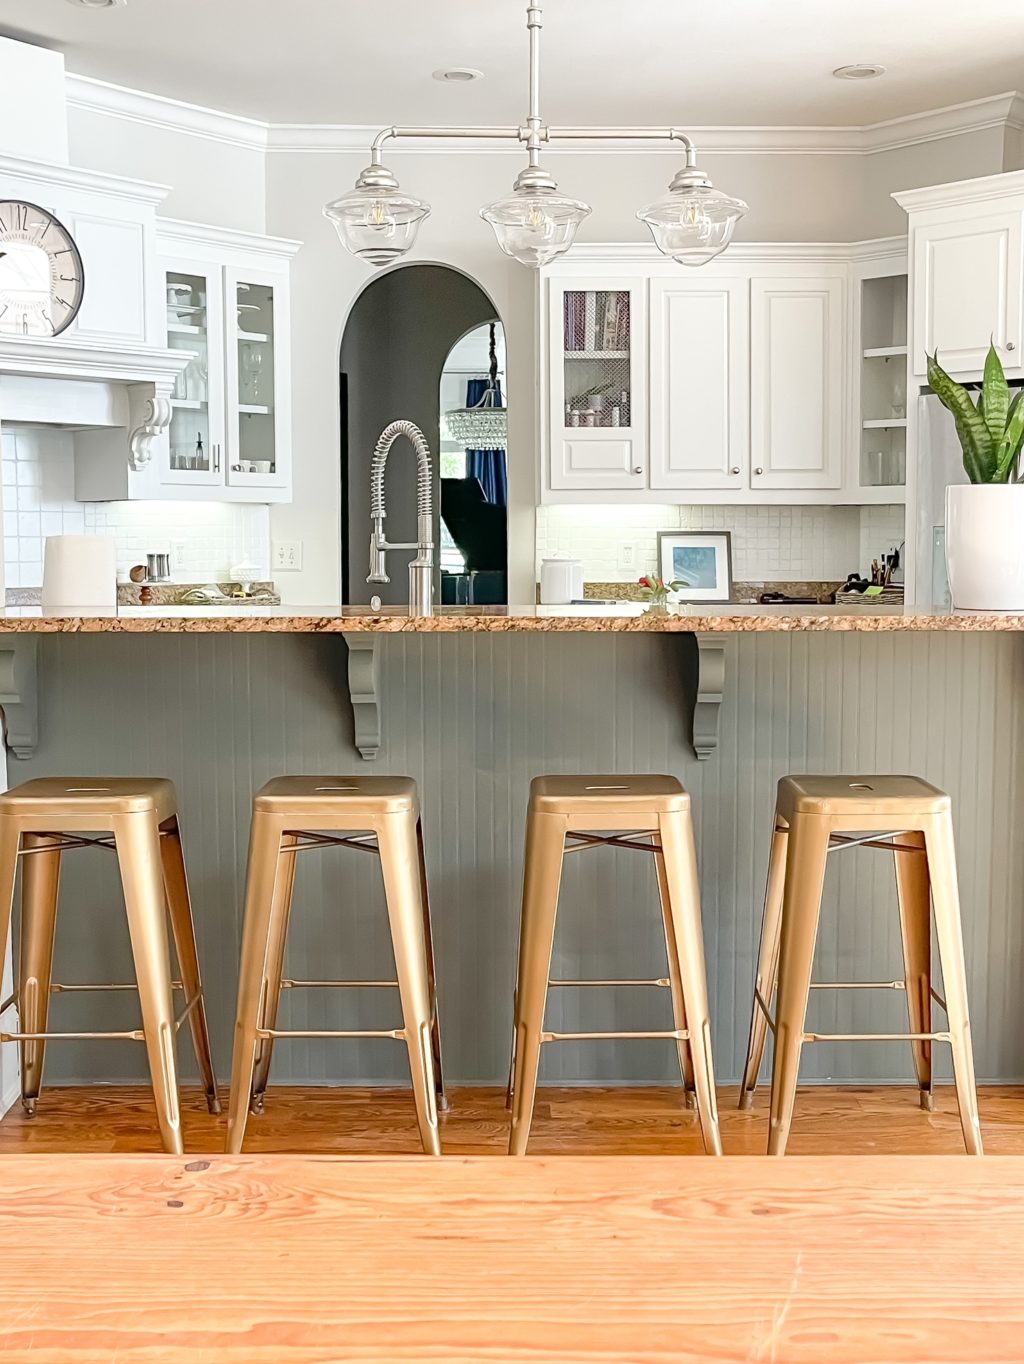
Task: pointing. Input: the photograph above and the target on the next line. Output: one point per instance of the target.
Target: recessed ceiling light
(458, 75)
(859, 71)
(97, 4)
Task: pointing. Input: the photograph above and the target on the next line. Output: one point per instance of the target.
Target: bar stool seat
(136, 817)
(820, 815)
(378, 815)
(641, 813)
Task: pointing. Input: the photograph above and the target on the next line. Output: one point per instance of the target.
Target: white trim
(172, 232)
(50, 173)
(56, 359)
(160, 111)
(1002, 186)
(739, 253)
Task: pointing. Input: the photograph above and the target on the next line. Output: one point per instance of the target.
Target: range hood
(123, 391)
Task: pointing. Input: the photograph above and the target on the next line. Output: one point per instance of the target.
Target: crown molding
(160, 111)
(176, 232)
(1008, 184)
(46, 174)
(739, 253)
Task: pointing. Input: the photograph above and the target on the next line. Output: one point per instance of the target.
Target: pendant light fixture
(536, 223)
(484, 426)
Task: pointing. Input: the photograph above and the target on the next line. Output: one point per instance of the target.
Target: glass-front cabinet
(228, 307)
(195, 325)
(597, 416)
(257, 381)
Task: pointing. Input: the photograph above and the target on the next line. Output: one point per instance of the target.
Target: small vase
(659, 608)
(985, 546)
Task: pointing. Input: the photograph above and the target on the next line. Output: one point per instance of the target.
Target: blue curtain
(489, 466)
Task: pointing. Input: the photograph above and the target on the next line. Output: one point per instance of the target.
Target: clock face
(41, 276)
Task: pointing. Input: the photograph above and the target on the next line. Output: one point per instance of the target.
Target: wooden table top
(266, 1259)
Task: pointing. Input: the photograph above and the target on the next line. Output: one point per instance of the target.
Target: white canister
(561, 581)
(80, 575)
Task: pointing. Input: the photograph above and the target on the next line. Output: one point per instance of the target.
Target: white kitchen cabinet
(967, 266)
(597, 384)
(225, 299)
(699, 383)
(797, 359)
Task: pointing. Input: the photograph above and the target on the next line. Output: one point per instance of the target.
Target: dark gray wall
(396, 341)
(473, 718)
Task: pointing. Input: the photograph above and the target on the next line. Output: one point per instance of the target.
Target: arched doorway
(397, 341)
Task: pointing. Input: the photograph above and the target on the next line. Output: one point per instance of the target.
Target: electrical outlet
(627, 555)
(287, 555)
(177, 556)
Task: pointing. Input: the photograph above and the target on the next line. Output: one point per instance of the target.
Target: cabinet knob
(1009, 345)
(735, 470)
(758, 471)
(638, 468)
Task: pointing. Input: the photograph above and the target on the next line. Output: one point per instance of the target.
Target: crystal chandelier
(535, 223)
(484, 426)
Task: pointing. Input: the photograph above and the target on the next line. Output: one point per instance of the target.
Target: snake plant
(992, 432)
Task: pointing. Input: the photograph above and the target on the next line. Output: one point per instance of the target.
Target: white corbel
(149, 415)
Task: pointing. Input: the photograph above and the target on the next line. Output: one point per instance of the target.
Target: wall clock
(41, 275)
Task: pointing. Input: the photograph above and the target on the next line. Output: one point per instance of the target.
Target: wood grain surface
(644, 1120)
(266, 1259)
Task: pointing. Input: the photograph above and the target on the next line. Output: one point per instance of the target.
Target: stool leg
(801, 905)
(40, 880)
(675, 983)
(179, 906)
(428, 940)
(680, 861)
(767, 963)
(280, 917)
(913, 893)
(403, 890)
(542, 874)
(137, 838)
(261, 902)
(949, 937)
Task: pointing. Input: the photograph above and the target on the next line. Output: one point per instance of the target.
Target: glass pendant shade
(535, 223)
(693, 222)
(376, 220)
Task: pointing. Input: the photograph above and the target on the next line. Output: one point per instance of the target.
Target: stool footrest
(858, 985)
(339, 984)
(877, 1037)
(662, 983)
(676, 1035)
(131, 1035)
(397, 1033)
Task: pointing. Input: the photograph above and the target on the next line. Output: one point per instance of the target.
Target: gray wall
(396, 342)
(473, 718)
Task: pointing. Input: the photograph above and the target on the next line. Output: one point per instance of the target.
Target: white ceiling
(605, 61)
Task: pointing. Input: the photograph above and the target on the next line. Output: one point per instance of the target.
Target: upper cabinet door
(699, 383)
(258, 380)
(195, 323)
(797, 329)
(967, 289)
(597, 384)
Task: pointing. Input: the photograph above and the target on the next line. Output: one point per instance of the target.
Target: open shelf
(597, 354)
(883, 352)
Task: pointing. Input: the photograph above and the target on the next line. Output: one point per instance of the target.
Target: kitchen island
(473, 705)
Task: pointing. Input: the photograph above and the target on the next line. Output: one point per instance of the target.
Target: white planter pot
(985, 546)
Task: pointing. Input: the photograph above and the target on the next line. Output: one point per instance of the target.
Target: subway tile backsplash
(776, 543)
(205, 539)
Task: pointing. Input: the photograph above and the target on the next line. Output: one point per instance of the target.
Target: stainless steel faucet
(421, 569)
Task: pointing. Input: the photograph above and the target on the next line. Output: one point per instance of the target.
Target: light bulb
(694, 221)
(376, 221)
(535, 223)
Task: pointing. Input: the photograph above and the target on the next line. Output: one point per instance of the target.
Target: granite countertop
(626, 617)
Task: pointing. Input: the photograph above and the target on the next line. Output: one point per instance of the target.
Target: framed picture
(701, 560)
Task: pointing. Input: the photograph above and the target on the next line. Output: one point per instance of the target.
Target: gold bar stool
(137, 818)
(815, 816)
(574, 814)
(378, 815)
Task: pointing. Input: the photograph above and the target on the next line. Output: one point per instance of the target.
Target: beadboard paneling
(473, 718)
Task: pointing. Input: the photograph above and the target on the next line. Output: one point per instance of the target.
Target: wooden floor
(648, 1121)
